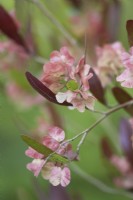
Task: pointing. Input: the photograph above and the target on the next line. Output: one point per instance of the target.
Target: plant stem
(40, 59)
(53, 19)
(96, 111)
(81, 142)
(108, 113)
(99, 184)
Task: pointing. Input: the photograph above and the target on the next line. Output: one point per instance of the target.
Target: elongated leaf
(58, 193)
(43, 90)
(106, 148)
(39, 191)
(43, 149)
(129, 27)
(125, 139)
(25, 18)
(96, 87)
(114, 15)
(123, 97)
(9, 27)
(76, 3)
(23, 15)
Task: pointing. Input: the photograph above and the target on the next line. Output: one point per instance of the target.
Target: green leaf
(23, 15)
(43, 149)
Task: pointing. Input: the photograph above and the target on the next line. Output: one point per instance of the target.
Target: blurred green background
(16, 182)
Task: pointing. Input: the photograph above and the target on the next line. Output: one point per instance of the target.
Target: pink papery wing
(36, 166)
(57, 133)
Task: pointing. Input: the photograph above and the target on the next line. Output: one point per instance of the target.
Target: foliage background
(16, 182)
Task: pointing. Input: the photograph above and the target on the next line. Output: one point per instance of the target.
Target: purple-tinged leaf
(43, 90)
(125, 139)
(58, 193)
(106, 148)
(123, 97)
(76, 3)
(96, 87)
(129, 27)
(39, 191)
(55, 193)
(9, 27)
(114, 19)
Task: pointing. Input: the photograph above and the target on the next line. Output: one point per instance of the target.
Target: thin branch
(96, 111)
(39, 59)
(108, 113)
(53, 19)
(99, 184)
(87, 130)
(81, 142)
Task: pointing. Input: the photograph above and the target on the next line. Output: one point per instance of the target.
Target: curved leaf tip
(43, 90)
(96, 87)
(122, 97)
(129, 28)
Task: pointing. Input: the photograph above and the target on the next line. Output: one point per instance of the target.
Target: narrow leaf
(43, 149)
(114, 19)
(96, 87)
(43, 90)
(125, 139)
(123, 97)
(39, 191)
(129, 27)
(9, 27)
(25, 18)
(106, 148)
(58, 193)
(76, 3)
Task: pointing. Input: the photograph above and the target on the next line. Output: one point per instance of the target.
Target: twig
(99, 184)
(96, 111)
(81, 142)
(108, 113)
(53, 19)
(87, 130)
(40, 59)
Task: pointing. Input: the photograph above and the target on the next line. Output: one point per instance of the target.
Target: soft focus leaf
(125, 139)
(76, 3)
(114, 19)
(106, 148)
(123, 97)
(58, 193)
(43, 90)
(43, 149)
(23, 15)
(96, 87)
(129, 27)
(9, 27)
(25, 19)
(40, 192)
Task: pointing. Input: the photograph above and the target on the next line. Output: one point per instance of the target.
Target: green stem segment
(53, 19)
(106, 114)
